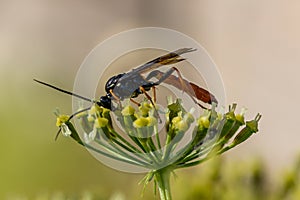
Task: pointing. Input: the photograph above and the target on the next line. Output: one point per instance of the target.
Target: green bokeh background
(255, 44)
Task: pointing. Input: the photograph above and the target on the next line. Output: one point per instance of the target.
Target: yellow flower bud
(181, 126)
(90, 118)
(105, 112)
(204, 121)
(61, 119)
(128, 110)
(144, 108)
(140, 122)
(176, 120)
(240, 117)
(101, 122)
(151, 121)
(94, 109)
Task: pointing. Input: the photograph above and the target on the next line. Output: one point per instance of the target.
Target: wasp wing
(128, 85)
(167, 59)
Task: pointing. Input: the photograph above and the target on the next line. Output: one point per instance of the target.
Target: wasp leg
(159, 75)
(147, 95)
(133, 101)
(116, 97)
(154, 94)
(184, 85)
(150, 99)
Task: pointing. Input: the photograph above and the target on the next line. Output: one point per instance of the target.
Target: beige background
(256, 45)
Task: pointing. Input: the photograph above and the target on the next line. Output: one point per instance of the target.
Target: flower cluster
(142, 144)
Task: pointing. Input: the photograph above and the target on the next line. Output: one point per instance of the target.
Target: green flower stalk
(160, 151)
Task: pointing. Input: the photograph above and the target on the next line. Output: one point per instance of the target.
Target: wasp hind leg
(154, 94)
(167, 76)
(135, 102)
(147, 95)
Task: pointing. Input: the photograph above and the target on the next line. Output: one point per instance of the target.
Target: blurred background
(255, 44)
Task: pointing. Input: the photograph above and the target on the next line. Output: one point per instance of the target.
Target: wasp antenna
(63, 91)
(78, 112)
(184, 50)
(191, 49)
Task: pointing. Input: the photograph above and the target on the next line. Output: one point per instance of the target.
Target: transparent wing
(167, 59)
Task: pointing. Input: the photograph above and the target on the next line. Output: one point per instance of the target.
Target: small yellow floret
(204, 121)
(141, 122)
(94, 109)
(181, 126)
(176, 120)
(101, 122)
(128, 110)
(151, 121)
(240, 117)
(90, 118)
(105, 110)
(61, 119)
(144, 108)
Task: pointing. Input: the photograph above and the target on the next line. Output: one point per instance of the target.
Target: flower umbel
(143, 145)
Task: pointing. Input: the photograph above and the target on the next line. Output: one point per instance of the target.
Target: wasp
(134, 83)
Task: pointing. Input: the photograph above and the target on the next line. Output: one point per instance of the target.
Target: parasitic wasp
(134, 83)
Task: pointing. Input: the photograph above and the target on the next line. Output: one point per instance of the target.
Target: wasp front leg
(115, 97)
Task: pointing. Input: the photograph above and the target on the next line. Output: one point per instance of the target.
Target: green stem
(162, 179)
(167, 147)
(125, 141)
(111, 156)
(111, 147)
(190, 164)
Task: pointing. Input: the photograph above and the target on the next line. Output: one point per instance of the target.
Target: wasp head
(105, 101)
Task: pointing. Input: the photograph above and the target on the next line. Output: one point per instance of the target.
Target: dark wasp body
(133, 83)
(119, 89)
